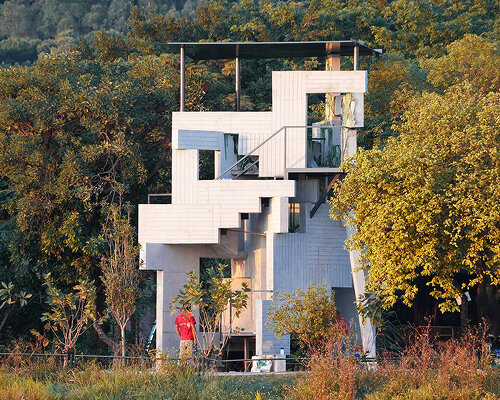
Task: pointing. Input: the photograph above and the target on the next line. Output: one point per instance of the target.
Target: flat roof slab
(263, 50)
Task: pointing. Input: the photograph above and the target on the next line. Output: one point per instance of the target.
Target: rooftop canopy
(262, 50)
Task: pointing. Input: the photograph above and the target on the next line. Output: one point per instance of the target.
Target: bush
(309, 316)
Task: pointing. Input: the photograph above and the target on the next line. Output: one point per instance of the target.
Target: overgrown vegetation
(459, 369)
(426, 205)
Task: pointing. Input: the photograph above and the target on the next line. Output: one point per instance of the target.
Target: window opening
(206, 166)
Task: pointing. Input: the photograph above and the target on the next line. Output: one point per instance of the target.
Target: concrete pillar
(367, 330)
(169, 280)
(237, 78)
(356, 58)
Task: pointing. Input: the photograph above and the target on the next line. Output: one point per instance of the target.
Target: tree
(427, 206)
(393, 81)
(74, 129)
(309, 316)
(120, 273)
(212, 297)
(70, 130)
(70, 313)
(9, 298)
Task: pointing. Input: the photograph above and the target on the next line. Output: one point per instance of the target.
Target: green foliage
(9, 297)
(85, 122)
(309, 316)
(393, 81)
(427, 370)
(212, 297)
(70, 313)
(72, 132)
(457, 369)
(427, 205)
(120, 269)
(457, 66)
(18, 50)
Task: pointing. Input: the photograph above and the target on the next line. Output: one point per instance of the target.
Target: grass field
(456, 370)
(184, 383)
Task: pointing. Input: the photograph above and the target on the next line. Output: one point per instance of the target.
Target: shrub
(309, 316)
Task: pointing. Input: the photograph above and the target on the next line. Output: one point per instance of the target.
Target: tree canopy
(427, 203)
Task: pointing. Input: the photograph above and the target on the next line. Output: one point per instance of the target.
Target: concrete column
(367, 330)
(169, 280)
(237, 78)
(332, 64)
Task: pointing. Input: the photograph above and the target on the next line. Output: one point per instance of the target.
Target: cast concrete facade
(270, 219)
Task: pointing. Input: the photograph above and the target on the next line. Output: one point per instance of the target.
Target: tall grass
(457, 369)
(170, 381)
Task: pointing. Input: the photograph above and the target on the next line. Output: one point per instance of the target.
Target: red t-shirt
(186, 321)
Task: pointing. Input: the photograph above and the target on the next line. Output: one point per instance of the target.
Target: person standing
(185, 328)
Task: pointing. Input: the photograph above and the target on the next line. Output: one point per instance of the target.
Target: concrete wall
(265, 341)
(318, 255)
(175, 262)
(214, 205)
(289, 97)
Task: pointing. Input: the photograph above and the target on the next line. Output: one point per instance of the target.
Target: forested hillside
(30, 27)
(85, 123)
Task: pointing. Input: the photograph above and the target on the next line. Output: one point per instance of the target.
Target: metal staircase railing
(251, 152)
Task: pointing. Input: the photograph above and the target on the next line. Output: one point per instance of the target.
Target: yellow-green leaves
(9, 297)
(70, 313)
(310, 316)
(428, 203)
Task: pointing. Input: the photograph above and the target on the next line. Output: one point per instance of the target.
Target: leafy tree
(212, 298)
(393, 81)
(120, 273)
(309, 316)
(423, 28)
(17, 18)
(70, 313)
(481, 70)
(15, 50)
(71, 131)
(75, 130)
(427, 205)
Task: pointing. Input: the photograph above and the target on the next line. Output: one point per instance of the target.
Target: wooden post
(332, 64)
(245, 352)
(183, 80)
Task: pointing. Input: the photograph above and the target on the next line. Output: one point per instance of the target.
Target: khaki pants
(186, 349)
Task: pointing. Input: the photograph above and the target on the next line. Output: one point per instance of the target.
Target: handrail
(246, 169)
(158, 195)
(250, 153)
(285, 127)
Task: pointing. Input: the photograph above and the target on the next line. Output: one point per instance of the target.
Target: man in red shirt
(184, 326)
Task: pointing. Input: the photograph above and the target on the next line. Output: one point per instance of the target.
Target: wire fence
(147, 362)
